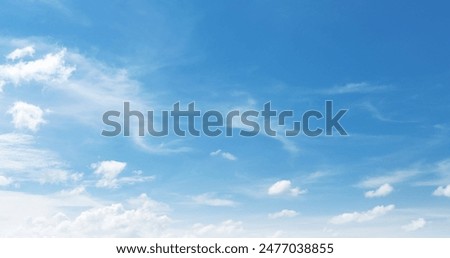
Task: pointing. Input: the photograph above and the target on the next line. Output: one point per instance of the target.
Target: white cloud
(210, 200)
(383, 190)
(283, 214)
(225, 228)
(360, 87)
(50, 68)
(316, 176)
(215, 153)
(26, 116)
(108, 170)
(82, 93)
(139, 217)
(376, 113)
(442, 171)
(73, 192)
(415, 225)
(225, 155)
(20, 159)
(55, 176)
(228, 156)
(395, 177)
(21, 53)
(284, 187)
(130, 180)
(17, 208)
(442, 191)
(287, 143)
(163, 148)
(4, 181)
(443, 166)
(362, 216)
(279, 187)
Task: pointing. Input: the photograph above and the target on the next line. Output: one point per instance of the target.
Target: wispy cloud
(138, 217)
(383, 190)
(391, 178)
(224, 154)
(316, 176)
(171, 147)
(18, 208)
(441, 172)
(109, 171)
(211, 200)
(73, 192)
(362, 216)
(225, 228)
(50, 68)
(376, 113)
(283, 214)
(442, 191)
(415, 225)
(4, 181)
(22, 161)
(359, 87)
(26, 116)
(21, 53)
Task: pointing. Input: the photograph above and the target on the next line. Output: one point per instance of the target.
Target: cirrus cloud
(383, 190)
(283, 214)
(223, 154)
(362, 216)
(415, 225)
(284, 187)
(26, 116)
(21, 53)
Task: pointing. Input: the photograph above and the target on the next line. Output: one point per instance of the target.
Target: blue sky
(65, 63)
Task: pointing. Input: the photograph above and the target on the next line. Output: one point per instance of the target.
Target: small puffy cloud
(50, 68)
(382, 191)
(21, 53)
(283, 214)
(26, 116)
(362, 216)
(108, 170)
(130, 180)
(139, 217)
(4, 181)
(215, 153)
(225, 228)
(55, 176)
(284, 187)
(210, 200)
(442, 191)
(415, 225)
(223, 154)
(360, 87)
